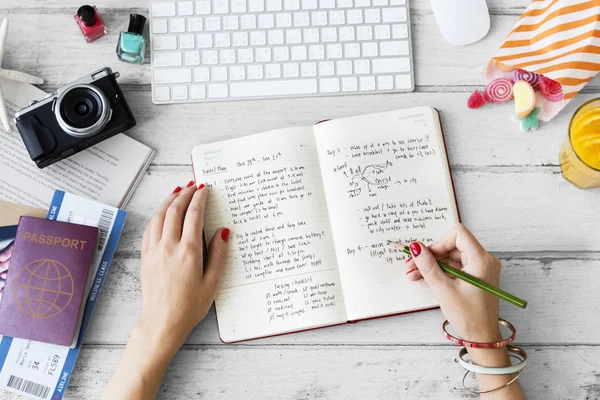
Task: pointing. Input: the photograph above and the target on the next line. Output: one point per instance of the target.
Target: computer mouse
(462, 22)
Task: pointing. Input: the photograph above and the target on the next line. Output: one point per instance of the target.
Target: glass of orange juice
(580, 153)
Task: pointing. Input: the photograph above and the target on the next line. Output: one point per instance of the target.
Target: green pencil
(470, 279)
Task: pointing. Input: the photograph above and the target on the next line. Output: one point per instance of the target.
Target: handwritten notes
(281, 270)
(389, 180)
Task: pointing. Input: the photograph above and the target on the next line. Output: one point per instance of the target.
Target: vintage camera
(77, 116)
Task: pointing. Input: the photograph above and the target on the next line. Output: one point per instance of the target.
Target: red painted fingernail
(190, 184)
(177, 189)
(410, 270)
(225, 234)
(408, 260)
(415, 249)
(200, 186)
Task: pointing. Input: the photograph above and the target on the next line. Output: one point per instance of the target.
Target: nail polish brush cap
(136, 23)
(87, 15)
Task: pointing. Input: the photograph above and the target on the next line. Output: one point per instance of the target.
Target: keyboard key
(197, 92)
(385, 82)
(382, 32)
(276, 37)
(274, 88)
(372, 16)
(263, 54)
(161, 93)
(293, 36)
(352, 50)
(329, 35)
(240, 39)
(201, 74)
(273, 71)
(364, 32)
(309, 4)
(316, 52)
(367, 83)
(256, 5)
(329, 85)
(227, 56)
(394, 14)
(362, 67)
(164, 42)
(400, 31)
(327, 3)
(237, 73)
(394, 48)
(301, 19)
(387, 65)
(344, 67)
(337, 18)
(238, 6)
(299, 53)
(219, 74)
(398, 2)
(203, 7)
(311, 35)
(370, 49)
(213, 23)
(379, 3)
(248, 21)
(350, 84)
(363, 3)
(334, 51)
(222, 40)
(192, 58)
(210, 57)
(326, 68)
(159, 26)
(185, 8)
(245, 56)
(204, 40)
(195, 25)
(266, 21)
(174, 75)
(255, 72)
(230, 23)
(345, 3)
(281, 54)
(291, 5)
(274, 5)
(309, 69)
(186, 42)
(355, 17)
(221, 6)
(290, 70)
(319, 18)
(284, 20)
(403, 82)
(170, 59)
(218, 91)
(179, 92)
(163, 9)
(347, 34)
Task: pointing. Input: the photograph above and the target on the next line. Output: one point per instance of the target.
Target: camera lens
(82, 110)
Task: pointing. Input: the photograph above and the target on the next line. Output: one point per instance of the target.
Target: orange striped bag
(559, 39)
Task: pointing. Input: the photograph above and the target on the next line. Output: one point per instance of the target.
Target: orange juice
(580, 154)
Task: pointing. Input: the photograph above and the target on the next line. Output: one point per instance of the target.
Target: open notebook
(311, 210)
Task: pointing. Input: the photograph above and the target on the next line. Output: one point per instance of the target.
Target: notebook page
(386, 178)
(281, 272)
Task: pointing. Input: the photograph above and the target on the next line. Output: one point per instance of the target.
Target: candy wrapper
(558, 39)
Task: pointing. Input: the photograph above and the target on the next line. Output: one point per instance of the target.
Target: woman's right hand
(472, 312)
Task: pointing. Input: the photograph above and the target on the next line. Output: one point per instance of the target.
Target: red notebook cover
(46, 280)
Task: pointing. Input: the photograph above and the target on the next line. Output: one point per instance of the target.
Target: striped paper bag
(559, 39)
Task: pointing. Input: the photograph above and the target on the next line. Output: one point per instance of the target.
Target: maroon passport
(46, 280)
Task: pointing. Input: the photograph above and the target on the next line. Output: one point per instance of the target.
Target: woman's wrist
(158, 343)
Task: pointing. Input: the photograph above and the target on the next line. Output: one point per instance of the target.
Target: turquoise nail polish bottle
(132, 44)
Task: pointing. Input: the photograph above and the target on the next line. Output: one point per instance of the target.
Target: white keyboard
(215, 50)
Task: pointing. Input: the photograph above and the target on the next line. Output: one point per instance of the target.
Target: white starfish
(11, 76)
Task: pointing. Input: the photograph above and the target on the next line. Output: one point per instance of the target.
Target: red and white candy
(499, 91)
(530, 77)
(551, 89)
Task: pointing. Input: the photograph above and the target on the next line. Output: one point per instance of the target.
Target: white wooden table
(510, 193)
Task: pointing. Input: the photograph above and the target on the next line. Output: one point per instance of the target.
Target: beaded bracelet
(519, 354)
(466, 343)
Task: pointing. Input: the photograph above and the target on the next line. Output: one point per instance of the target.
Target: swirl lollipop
(499, 91)
(530, 77)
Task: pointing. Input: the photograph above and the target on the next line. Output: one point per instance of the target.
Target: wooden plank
(483, 137)
(372, 372)
(555, 287)
(508, 209)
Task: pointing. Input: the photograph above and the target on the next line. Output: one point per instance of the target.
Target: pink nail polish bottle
(90, 22)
